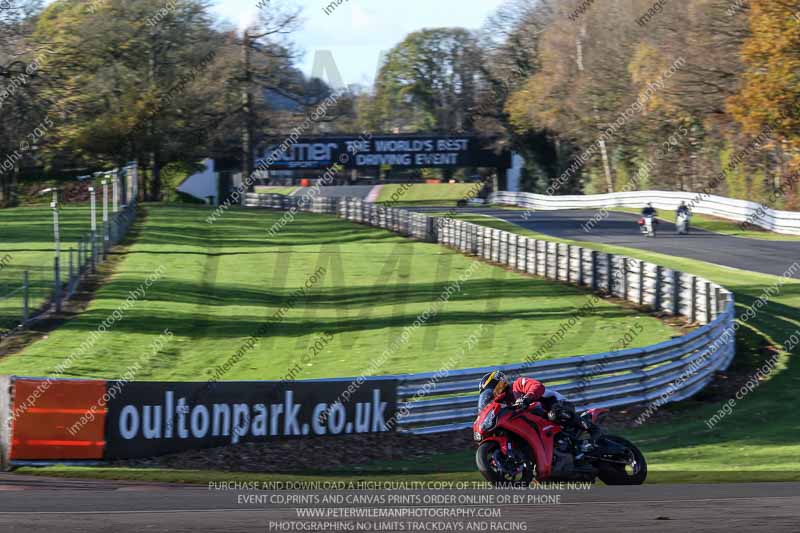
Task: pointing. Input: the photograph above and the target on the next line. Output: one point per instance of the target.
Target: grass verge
(444, 194)
(220, 283)
(260, 189)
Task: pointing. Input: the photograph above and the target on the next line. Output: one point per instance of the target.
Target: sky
(357, 31)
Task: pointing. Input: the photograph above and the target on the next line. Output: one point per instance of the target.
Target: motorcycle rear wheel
(633, 473)
(485, 458)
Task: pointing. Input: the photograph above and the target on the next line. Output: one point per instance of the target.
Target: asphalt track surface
(756, 255)
(32, 504)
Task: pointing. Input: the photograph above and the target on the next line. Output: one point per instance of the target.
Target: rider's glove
(523, 402)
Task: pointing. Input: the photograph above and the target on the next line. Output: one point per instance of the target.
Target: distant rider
(683, 209)
(649, 211)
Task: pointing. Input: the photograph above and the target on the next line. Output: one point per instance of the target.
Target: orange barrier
(45, 410)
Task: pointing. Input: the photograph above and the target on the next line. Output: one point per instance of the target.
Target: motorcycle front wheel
(498, 469)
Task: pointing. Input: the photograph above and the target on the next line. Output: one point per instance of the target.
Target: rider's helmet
(493, 385)
(495, 381)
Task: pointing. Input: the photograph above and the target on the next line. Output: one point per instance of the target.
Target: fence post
(657, 299)
(641, 282)
(593, 265)
(535, 257)
(546, 257)
(94, 252)
(580, 266)
(676, 292)
(105, 219)
(693, 300)
(717, 298)
(610, 273)
(71, 266)
(526, 240)
(115, 194)
(93, 214)
(26, 297)
(57, 283)
(708, 303)
(557, 263)
(624, 267)
(569, 263)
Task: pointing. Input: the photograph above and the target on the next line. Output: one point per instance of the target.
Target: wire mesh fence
(28, 292)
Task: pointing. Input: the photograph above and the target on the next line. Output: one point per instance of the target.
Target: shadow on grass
(191, 324)
(362, 296)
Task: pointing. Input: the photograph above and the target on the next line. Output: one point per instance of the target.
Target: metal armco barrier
(667, 372)
(744, 211)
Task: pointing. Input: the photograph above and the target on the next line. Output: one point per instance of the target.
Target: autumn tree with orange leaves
(769, 100)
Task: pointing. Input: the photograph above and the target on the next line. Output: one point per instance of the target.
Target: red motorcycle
(518, 445)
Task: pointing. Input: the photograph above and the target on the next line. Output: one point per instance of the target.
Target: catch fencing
(666, 372)
(29, 292)
(746, 212)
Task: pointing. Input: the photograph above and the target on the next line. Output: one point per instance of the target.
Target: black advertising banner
(368, 152)
(146, 419)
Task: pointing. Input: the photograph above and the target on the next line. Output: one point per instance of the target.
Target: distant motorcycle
(648, 225)
(682, 224)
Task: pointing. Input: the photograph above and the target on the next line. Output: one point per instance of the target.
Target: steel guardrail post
(26, 297)
(657, 295)
(676, 292)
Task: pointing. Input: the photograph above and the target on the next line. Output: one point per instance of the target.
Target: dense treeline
(615, 95)
(600, 96)
(91, 85)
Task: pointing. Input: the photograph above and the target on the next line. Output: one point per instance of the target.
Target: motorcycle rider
(682, 219)
(524, 392)
(649, 211)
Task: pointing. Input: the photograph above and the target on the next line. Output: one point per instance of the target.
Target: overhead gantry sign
(366, 151)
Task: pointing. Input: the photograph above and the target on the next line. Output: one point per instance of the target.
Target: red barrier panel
(58, 420)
